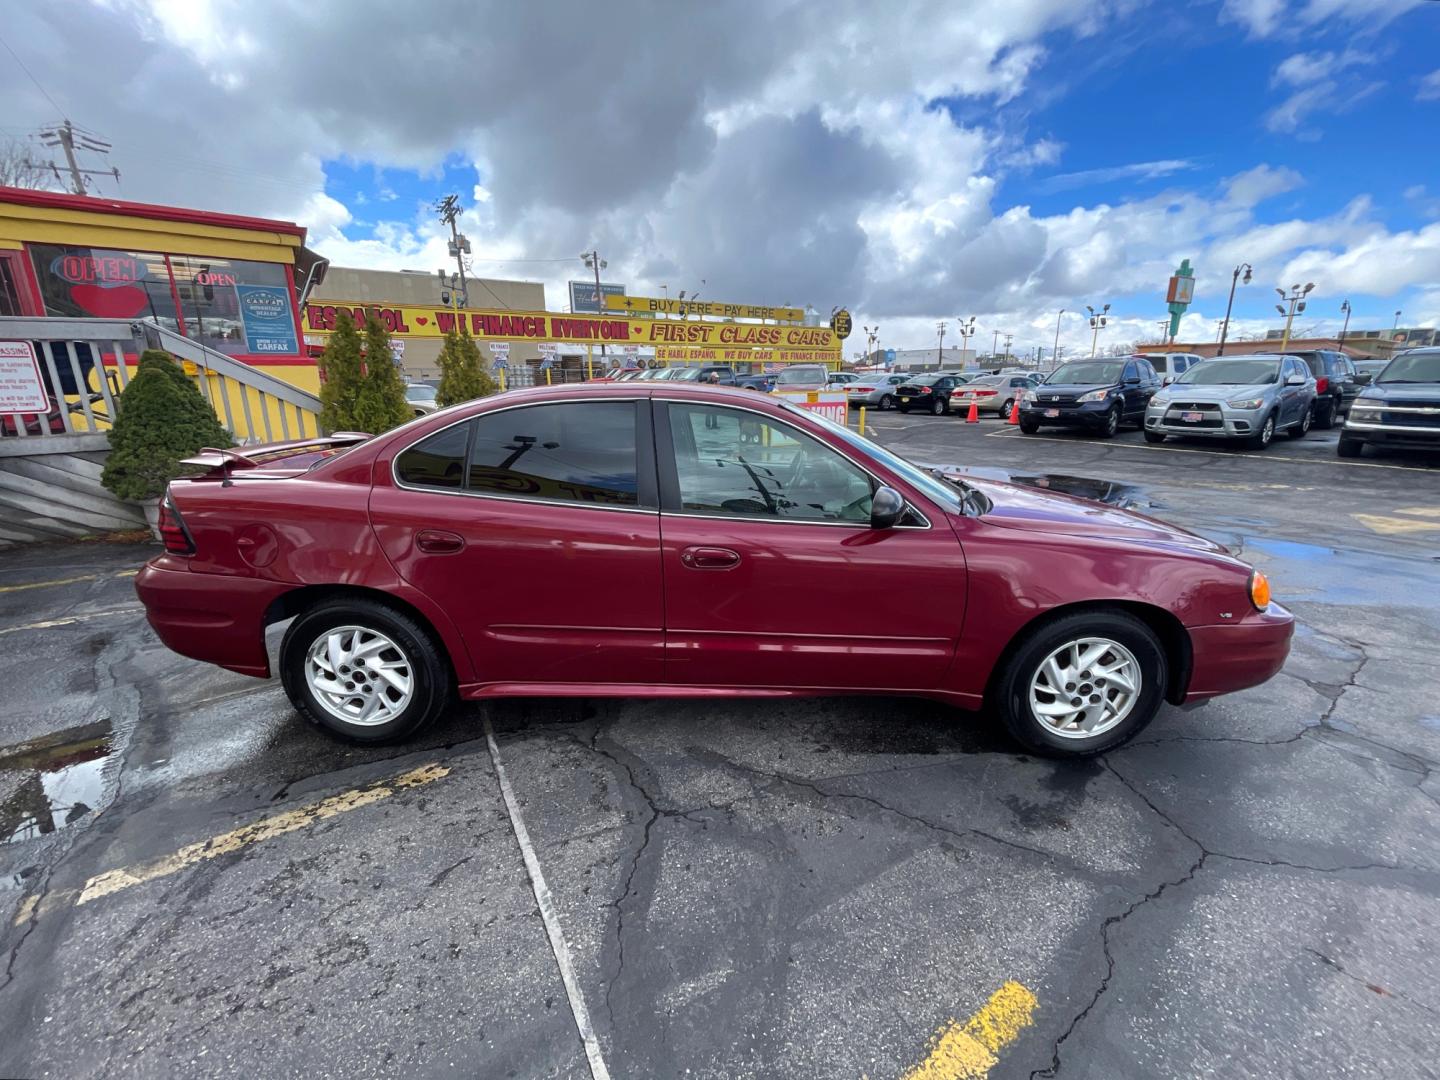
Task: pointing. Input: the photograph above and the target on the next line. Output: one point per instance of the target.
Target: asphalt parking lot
(197, 884)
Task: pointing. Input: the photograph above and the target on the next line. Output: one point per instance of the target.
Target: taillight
(924, 389)
(1322, 384)
(172, 530)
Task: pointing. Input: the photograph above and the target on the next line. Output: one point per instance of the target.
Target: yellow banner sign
(655, 305)
(679, 353)
(502, 325)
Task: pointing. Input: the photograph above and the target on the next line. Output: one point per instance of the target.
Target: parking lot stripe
(1007, 433)
(64, 581)
(970, 1050)
(71, 620)
(113, 881)
(546, 903)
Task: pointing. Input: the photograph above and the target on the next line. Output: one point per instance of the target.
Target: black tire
(1154, 436)
(1028, 427)
(1006, 408)
(1112, 423)
(1010, 697)
(905, 409)
(1300, 430)
(886, 402)
(939, 407)
(428, 668)
(1265, 436)
(1351, 448)
(1326, 413)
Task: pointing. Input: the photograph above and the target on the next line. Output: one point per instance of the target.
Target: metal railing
(76, 357)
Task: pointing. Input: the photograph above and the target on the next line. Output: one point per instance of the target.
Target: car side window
(732, 462)
(580, 452)
(437, 460)
(1131, 371)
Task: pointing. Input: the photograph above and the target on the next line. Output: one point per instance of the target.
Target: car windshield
(419, 392)
(800, 376)
(1419, 367)
(1232, 373)
(1087, 372)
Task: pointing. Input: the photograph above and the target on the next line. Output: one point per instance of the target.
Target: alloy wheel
(886, 402)
(1085, 687)
(359, 676)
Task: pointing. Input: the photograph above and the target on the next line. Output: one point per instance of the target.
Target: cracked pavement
(756, 888)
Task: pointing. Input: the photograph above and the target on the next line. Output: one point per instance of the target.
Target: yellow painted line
(970, 1050)
(64, 581)
(1393, 526)
(1419, 511)
(1263, 455)
(113, 881)
(70, 620)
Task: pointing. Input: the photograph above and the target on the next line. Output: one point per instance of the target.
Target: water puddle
(52, 782)
(1110, 492)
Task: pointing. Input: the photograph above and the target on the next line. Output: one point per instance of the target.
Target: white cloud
(1381, 264)
(1259, 17)
(1260, 183)
(1138, 170)
(1429, 87)
(1284, 18)
(1317, 84)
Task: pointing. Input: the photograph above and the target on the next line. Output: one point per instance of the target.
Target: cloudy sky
(1001, 159)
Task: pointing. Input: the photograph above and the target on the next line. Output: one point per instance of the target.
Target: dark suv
(929, 392)
(1096, 394)
(1335, 385)
(1401, 407)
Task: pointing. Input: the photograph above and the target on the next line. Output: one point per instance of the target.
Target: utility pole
(449, 210)
(1097, 322)
(1345, 307)
(1296, 300)
(994, 344)
(1055, 354)
(940, 353)
(70, 138)
(1008, 338)
(1225, 326)
(594, 262)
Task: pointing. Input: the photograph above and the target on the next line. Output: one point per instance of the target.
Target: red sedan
(659, 540)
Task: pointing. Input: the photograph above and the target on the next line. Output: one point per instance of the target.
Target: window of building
(729, 461)
(234, 305)
(571, 451)
(437, 460)
(100, 283)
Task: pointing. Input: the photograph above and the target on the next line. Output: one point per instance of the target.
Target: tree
(19, 169)
(340, 376)
(380, 401)
(162, 419)
(462, 373)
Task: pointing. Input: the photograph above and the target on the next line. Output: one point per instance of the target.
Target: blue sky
(914, 162)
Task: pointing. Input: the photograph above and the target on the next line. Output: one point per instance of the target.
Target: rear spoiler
(259, 455)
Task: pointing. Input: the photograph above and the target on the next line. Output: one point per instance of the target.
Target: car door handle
(710, 558)
(435, 542)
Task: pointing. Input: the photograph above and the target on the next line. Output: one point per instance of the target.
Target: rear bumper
(211, 617)
(1236, 656)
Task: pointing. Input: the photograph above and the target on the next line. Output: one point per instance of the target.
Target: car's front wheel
(1111, 424)
(1265, 436)
(364, 671)
(1351, 448)
(1028, 427)
(1154, 436)
(1082, 684)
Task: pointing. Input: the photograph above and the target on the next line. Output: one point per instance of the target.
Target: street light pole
(1296, 300)
(1396, 324)
(1345, 307)
(967, 331)
(1225, 326)
(1097, 320)
(1055, 353)
(940, 352)
(593, 260)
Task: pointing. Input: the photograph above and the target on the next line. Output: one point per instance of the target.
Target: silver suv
(1236, 397)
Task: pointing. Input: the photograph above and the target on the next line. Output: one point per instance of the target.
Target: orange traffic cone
(1014, 412)
(973, 416)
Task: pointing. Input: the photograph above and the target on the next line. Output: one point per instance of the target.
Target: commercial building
(1358, 344)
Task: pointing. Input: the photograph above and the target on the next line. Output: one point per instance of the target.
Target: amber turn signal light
(1259, 590)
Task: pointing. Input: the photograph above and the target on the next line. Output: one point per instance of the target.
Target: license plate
(1052, 412)
(1192, 417)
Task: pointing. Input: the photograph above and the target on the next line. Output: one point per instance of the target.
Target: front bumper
(1219, 421)
(217, 618)
(1374, 431)
(1091, 414)
(1235, 656)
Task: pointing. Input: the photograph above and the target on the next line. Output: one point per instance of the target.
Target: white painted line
(1213, 453)
(71, 620)
(548, 914)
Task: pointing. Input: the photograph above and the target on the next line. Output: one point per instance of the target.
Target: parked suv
(1335, 383)
(1096, 394)
(1400, 407)
(1170, 366)
(930, 392)
(1236, 397)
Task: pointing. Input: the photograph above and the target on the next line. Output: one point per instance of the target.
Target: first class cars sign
(21, 390)
(505, 325)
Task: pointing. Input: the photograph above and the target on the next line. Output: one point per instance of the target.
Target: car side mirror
(886, 506)
(1295, 380)
(1133, 380)
(1363, 377)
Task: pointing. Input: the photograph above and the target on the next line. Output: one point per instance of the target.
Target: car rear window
(570, 451)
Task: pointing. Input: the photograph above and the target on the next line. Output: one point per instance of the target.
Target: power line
(33, 79)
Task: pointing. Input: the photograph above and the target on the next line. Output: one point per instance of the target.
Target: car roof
(1252, 356)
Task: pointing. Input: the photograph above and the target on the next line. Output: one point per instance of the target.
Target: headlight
(1246, 403)
(1259, 590)
(1094, 395)
(1160, 399)
(1366, 406)
(1028, 395)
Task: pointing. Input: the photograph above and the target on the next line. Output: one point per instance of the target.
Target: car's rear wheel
(1351, 448)
(1082, 684)
(364, 671)
(1325, 414)
(1154, 436)
(1028, 427)
(1300, 430)
(1006, 409)
(886, 402)
(937, 407)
